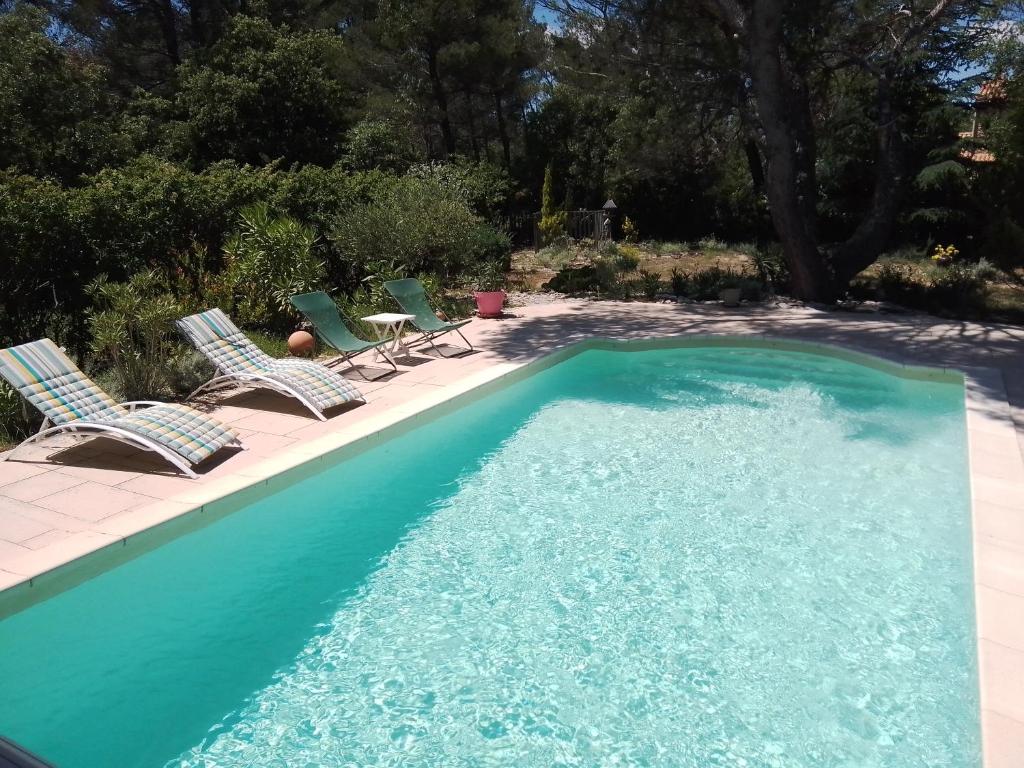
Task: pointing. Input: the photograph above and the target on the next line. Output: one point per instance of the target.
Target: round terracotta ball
(300, 343)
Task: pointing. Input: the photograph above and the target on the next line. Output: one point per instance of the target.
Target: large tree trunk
(784, 115)
(506, 144)
(441, 99)
(862, 248)
(167, 19)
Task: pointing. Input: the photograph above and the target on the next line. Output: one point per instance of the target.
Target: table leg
(397, 346)
(380, 351)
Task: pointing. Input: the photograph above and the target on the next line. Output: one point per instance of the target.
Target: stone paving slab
(62, 500)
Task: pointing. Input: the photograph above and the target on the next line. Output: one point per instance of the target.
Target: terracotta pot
(300, 343)
(730, 296)
(489, 303)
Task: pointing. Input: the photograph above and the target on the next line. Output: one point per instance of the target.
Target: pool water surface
(679, 557)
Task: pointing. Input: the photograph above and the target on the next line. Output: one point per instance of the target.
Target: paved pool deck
(62, 500)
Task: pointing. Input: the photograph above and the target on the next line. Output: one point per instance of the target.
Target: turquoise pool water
(690, 557)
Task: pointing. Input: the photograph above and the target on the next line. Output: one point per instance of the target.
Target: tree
(468, 65)
(263, 92)
(776, 62)
(896, 48)
(56, 116)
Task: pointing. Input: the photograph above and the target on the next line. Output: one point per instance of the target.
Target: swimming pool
(700, 556)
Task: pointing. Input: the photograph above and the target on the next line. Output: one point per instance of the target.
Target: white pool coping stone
(997, 504)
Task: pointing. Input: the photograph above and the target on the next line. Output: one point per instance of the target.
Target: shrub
(711, 244)
(415, 223)
(132, 331)
(650, 283)
(959, 287)
(43, 262)
(380, 144)
(552, 228)
(485, 187)
(16, 422)
(490, 276)
(628, 258)
(630, 231)
(268, 260)
(487, 244)
(678, 282)
(897, 281)
(771, 268)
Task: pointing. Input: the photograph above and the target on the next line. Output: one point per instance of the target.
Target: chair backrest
(223, 344)
(412, 297)
(48, 379)
(322, 312)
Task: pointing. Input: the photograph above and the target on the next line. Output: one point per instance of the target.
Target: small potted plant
(489, 293)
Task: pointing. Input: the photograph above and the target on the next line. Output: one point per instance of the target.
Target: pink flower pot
(489, 303)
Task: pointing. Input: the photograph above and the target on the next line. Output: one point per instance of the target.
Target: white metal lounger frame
(261, 380)
(85, 429)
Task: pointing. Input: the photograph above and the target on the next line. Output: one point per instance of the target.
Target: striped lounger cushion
(49, 380)
(191, 434)
(231, 351)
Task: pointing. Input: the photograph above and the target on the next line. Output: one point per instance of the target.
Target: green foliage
(264, 92)
(490, 276)
(552, 221)
(547, 194)
(677, 282)
(485, 187)
(771, 268)
(56, 116)
(627, 258)
(380, 145)
(16, 423)
(133, 332)
(552, 228)
(650, 283)
(42, 268)
(268, 260)
(630, 231)
(415, 223)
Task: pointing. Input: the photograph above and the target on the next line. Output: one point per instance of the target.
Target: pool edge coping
(994, 458)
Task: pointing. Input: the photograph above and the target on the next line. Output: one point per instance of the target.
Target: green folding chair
(323, 314)
(412, 298)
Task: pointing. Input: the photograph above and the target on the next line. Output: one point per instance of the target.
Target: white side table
(389, 325)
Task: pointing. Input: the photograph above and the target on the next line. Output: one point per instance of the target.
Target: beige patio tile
(1003, 740)
(13, 471)
(19, 528)
(1001, 462)
(9, 550)
(1004, 525)
(274, 423)
(158, 486)
(39, 486)
(999, 617)
(48, 517)
(132, 521)
(92, 501)
(1005, 493)
(111, 472)
(46, 539)
(999, 566)
(35, 562)
(8, 579)
(263, 444)
(1002, 679)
